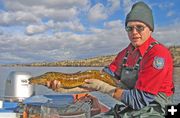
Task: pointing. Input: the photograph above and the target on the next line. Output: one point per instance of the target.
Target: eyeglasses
(139, 28)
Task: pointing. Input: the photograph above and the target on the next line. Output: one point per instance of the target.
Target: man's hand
(99, 85)
(56, 86)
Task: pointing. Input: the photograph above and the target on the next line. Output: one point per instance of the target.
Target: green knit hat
(141, 12)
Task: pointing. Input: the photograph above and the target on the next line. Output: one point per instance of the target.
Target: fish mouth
(32, 81)
(29, 81)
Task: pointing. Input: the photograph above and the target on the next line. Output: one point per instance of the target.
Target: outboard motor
(17, 87)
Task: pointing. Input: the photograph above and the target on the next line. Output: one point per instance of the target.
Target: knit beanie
(141, 12)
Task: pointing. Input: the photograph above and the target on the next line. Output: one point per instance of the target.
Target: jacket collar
(145, 45)
(142, 49)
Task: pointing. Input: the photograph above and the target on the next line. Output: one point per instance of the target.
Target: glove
(99, 85)
(56, 86)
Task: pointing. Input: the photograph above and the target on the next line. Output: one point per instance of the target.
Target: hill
(175, 51)
(90, 62)
(98, 61)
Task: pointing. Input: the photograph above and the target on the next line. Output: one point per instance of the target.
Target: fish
(72, 80)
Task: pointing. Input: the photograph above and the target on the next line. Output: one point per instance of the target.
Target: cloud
(170, 13)
(100, 11)
(68, 45)
(74, 26)
(1, 32)
(29, 12)
(168, 35)
(17, 18)
(32, 29)
(97, 12)
(166, 5)
(56, 4)
(113, 5)
(62, 45)
(55, 30)
(127, 6)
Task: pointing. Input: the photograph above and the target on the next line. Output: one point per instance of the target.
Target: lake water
(4, 72)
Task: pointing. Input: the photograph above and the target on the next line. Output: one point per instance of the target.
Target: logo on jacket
(158, 62)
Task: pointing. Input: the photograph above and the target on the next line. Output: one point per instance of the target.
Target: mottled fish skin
(73, 79)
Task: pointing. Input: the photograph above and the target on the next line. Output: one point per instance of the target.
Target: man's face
(138, 32)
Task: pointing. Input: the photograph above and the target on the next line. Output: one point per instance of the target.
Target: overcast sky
(56, 30)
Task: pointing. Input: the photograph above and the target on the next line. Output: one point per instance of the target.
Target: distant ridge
(99, 61)
(175, 51)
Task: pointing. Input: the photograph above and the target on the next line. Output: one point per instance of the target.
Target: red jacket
(152, 77)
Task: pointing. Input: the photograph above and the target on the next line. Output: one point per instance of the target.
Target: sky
(57, 30)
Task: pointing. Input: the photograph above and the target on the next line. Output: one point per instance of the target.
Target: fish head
(41, 80)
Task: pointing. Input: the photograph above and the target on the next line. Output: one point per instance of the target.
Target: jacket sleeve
(136, 99)
(108, 71)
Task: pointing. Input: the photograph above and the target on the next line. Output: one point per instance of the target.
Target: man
(143, 70)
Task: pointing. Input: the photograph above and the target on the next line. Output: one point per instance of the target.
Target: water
(177, 84)
(4, 72)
